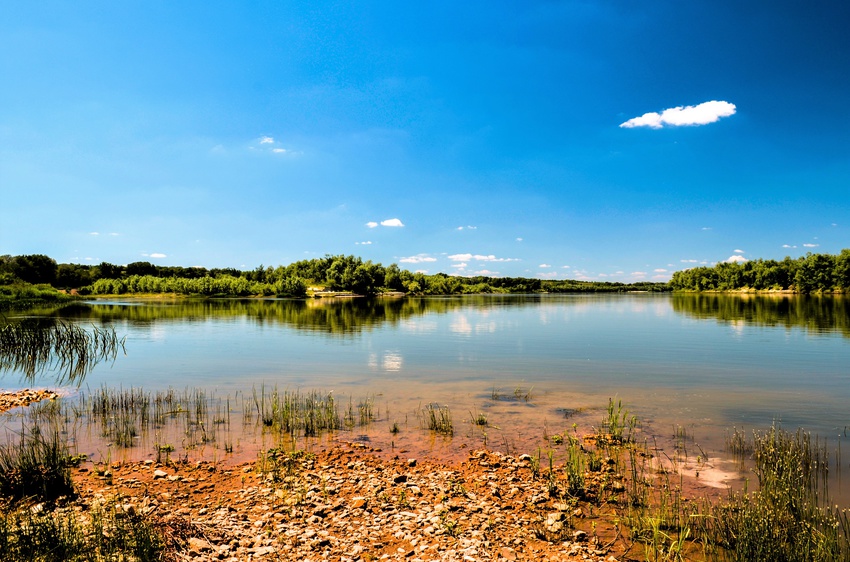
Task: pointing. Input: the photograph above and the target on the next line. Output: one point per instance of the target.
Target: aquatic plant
(37, 466)
(439, 419)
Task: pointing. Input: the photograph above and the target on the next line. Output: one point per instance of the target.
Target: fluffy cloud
(266, 140)
(371, 224)
(154, 255)
(479, 257)
(544, 265)
(419, 258)
(736, 259)
(702, 114)
(392, 222)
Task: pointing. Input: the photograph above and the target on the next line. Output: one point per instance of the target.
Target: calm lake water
(704, 362)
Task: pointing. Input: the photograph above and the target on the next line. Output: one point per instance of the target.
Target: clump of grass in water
(790, 516)
(293, 412)
(617, 426)
(439, 419)
(37, 466)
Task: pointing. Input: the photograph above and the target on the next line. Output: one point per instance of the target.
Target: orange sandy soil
(352, 503)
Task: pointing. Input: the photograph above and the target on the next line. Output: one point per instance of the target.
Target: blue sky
(463, 137)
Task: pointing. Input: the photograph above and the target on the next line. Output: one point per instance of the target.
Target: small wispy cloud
(638, 274)
(114, 234)
(371, 224)
(392, 223)
(689, 261)
(460, 265)
(519, 239)
(659, 270)
(689, 115)
(544, 265)
(469, 227)
(811, 245)
(94, 233)
(366, 243)
(266, 140)
(706, 228)
(155, 255)
(419, 258)
(739, 251)
(788, 246)
(479, 257)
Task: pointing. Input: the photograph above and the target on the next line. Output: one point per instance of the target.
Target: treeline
(332, 273)
(812, 273)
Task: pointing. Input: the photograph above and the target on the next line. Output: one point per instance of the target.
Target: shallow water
(707, 363)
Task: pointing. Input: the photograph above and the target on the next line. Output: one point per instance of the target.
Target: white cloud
(392, 222)
(736, 259)
(154, 255)
(366, 243)
(94, 233)
(659, 270)
(460, 265)
(519, 239)
(114, 234)
(266, 140)
(486, 272)
(419, 258)
(565, 266)
(279, 150)
(811, 245)
(548, 275)
(706, 228)
(544, 265)
(702, 114)
(479, 257)
(638, 274)
(739, 251)
(371, 224)
(788, 246)
(689, 261)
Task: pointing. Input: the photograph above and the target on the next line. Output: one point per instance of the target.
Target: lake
(534, 365)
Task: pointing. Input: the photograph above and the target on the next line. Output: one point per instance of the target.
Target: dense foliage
(812, 273)
(331, 273)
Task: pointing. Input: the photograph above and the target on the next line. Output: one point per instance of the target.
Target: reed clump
(439, 419)
(37, 467)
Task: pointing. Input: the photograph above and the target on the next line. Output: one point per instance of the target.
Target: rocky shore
(348, 504)
(25, 397)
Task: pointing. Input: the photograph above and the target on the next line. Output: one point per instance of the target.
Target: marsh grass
(438, 419)
(108, 533)
(36, 466)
